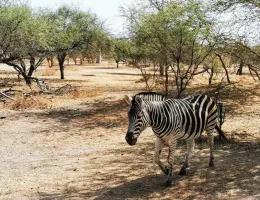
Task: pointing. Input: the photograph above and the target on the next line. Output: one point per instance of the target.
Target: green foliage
(178, 35)
(125, 50)
(74, 30)
(28, 35)
(70, 28)
(22, 33)
(174, 32)
(13, 22)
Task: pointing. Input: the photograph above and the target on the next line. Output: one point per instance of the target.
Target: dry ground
(75, 149)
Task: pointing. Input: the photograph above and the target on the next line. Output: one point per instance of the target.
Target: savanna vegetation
(63, 76)
(180, 39)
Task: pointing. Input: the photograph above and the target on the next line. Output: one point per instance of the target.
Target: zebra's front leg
(190, 148)
(172, 147)
(159, 144)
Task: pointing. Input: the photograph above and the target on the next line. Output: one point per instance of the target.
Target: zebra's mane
(149, 96)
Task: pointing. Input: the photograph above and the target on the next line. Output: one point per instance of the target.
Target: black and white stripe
(151, 96)
(173, 120)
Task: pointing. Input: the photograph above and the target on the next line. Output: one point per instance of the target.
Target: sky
(107, 10)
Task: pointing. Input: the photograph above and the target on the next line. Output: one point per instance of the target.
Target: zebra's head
(138, 118)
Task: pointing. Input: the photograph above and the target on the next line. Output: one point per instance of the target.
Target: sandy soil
(76, 150)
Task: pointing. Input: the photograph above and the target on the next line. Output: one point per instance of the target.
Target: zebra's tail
(221, 133)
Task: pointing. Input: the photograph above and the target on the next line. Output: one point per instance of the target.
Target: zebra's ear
(128, 99)
(139, 101)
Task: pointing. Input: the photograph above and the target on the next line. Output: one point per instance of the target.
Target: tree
(23, 36)
(101, 45)
(245, 56)
(121, 51)
(178, 33)
(241, 33)
(71, 30)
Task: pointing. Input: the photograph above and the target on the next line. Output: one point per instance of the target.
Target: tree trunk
(31, 70)
(161, 69)
(178, 78)
(240, 69)
(75, 60)
(211, 75)
(224, 66)
(61, 60)
(50, 61)
(99, 58)
(166, 81)
(81, 60)
(27, 79)
(32, 66)
(251, 68)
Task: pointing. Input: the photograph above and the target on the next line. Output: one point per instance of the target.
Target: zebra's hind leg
(159, 144)
(190, 148)
(211, 146)
(172, 147)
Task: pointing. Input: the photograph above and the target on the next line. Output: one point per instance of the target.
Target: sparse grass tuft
(48, 71)
(23, 102)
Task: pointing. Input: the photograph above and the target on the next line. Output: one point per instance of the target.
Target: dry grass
(32, 99)
(23, 102)
(48, 71)
(81, 93)
(53, 158)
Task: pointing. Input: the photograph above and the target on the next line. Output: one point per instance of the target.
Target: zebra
(172, 120)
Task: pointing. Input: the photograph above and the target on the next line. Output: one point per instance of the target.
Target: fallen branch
(3, 94)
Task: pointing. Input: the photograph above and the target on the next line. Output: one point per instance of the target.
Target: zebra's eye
(141, 113)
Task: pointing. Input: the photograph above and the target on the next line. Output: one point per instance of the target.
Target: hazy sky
(105, 9)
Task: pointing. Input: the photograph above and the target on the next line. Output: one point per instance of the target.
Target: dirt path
(79, 151)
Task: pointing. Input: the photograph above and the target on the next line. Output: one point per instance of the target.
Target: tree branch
(3, 94)
(223, 65)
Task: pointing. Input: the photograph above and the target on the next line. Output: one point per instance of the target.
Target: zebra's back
(187, 117)
(151, 96)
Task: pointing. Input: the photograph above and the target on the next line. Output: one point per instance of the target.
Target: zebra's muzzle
(130, 139)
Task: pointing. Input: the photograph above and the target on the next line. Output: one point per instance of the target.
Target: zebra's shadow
(139, 188)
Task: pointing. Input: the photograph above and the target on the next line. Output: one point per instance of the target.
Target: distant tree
(71, 30)
(121, 50)
(101, 45)
(242, 35)
(244, 56)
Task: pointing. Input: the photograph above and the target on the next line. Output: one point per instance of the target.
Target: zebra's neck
(159, 116)
(165, 117)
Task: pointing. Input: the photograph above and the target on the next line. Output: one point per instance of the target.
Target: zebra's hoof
(168, 183)
(183, 171)
(211, 164)
(166, 170)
